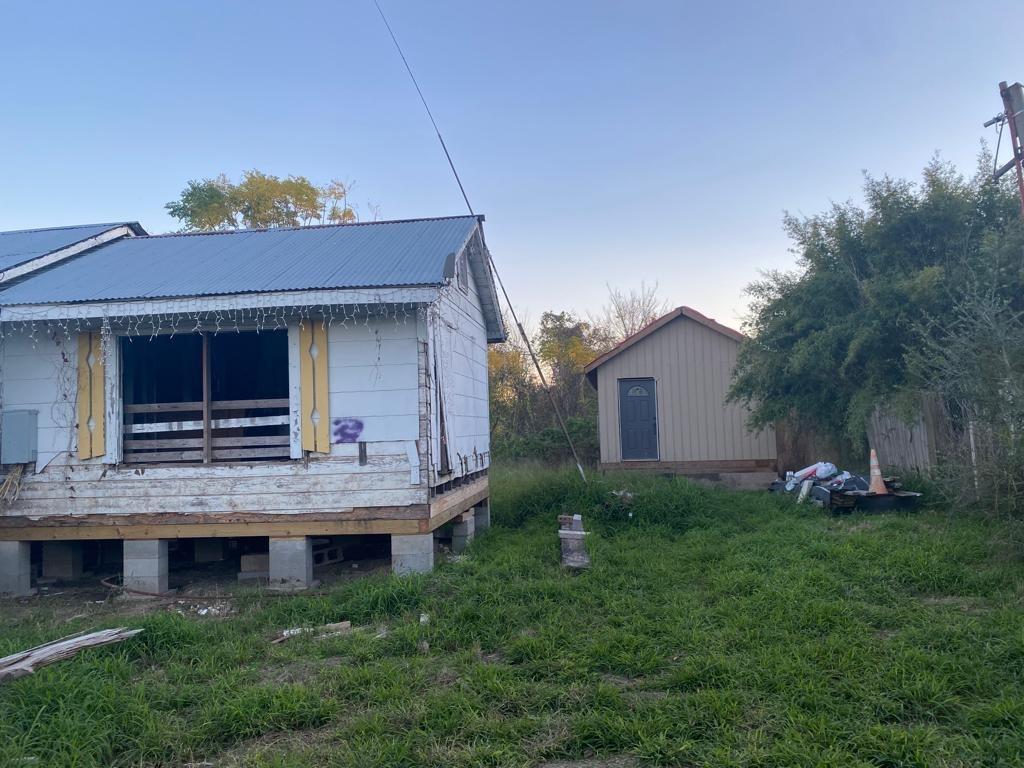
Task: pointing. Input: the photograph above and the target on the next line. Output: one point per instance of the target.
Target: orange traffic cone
(877, 485)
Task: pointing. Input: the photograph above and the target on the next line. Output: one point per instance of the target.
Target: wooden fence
(901, 444)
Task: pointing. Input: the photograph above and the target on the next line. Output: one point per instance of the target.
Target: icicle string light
(149, 326)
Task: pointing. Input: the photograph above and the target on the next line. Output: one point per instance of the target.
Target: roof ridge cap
(301, 227)
(67, 226)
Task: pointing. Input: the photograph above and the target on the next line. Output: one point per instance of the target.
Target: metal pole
(1015, 140)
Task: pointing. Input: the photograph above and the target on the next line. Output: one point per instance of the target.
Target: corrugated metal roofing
(27, 244)
(377, 254)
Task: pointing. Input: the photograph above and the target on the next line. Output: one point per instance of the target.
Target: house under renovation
(280, 387)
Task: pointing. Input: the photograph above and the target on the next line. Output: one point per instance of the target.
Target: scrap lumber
(26, 662)
(326, 630)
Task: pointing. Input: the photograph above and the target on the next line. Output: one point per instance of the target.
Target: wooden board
(446, 506)
(313, 384)
(90, 415)
(211, 530)
(692, 467)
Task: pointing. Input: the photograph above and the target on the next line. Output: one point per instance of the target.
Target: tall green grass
(714, 628)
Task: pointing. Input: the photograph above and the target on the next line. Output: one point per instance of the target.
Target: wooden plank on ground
(26, 662)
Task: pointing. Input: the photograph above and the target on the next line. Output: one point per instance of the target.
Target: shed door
(638, 418)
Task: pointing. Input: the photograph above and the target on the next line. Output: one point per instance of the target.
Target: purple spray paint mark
(347, 430)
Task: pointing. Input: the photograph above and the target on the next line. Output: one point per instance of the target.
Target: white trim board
(226, 303)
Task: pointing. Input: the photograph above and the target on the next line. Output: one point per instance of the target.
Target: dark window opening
(206, 398)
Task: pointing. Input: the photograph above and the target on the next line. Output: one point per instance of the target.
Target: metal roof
(26, 244)
(364, 255)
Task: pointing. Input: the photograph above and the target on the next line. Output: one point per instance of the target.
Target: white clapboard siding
(326, 485)
(373, 378)
(692, 366)
(296, 502)
(40, 374)
(460, 346)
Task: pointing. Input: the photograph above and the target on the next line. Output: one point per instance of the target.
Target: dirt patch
(617, 761)
(650, 695)
(205, 591)
(298, 671)
(446, 677)
(621, 681)
(271, 744)
(972, 605)
(856, 527)
(551, 737)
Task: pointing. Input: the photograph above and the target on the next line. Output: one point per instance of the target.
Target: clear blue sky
(607, 142)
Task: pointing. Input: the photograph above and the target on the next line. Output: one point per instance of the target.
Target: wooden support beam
(207, 427)
(446, 506)
(367, 520)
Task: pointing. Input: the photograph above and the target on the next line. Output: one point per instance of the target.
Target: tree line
(917, 291)
(260, 200)
(523, 421)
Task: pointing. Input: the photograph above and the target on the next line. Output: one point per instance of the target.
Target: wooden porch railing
(178, 432)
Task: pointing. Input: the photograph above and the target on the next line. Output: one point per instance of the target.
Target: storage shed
(662, 404)
(288, 385)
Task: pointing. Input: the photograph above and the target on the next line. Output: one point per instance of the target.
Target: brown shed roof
(654, 325)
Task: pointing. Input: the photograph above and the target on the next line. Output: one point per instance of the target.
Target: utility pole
(1012, 115)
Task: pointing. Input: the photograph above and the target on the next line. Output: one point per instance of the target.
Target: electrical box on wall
(18, 436)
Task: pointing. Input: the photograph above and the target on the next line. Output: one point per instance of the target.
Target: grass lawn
(714, 628)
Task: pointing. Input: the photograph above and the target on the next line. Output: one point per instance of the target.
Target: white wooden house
(291, 384)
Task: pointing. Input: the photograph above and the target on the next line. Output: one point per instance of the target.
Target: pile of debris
(824, 485)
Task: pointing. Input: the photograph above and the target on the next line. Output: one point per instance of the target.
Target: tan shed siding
(692, 366)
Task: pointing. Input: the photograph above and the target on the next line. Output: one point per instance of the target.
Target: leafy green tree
(205, 205)
(565, 344)
(261, 200)
(830, 340)
(523, 422)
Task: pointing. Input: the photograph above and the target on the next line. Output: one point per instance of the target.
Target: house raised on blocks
(281, 388)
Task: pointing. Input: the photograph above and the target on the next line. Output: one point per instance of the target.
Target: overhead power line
(426, 106)
(490, 259)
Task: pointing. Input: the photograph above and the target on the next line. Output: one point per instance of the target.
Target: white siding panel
(41, 375)
(352, 347)
(373, 377)
(459, 343)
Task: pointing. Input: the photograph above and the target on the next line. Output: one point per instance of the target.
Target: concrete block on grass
(463, 530)
(16, 569)
(291, 563)
(412, 553)
(482, 513)
(254, 566)
(145, 565)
